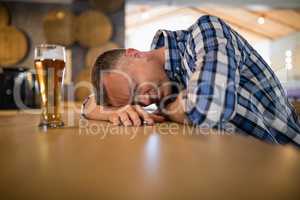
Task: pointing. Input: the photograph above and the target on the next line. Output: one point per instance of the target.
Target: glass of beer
(49, 62)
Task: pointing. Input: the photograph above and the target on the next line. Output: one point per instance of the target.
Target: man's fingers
(125, 119)
(131, 115)
(114, 119)
(134, 117)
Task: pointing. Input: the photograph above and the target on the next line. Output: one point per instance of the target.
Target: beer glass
(49, 62)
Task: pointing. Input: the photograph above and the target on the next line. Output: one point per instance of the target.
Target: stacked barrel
(91, 29)
(14, 43)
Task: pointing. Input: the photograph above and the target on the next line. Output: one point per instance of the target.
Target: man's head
(126, 76)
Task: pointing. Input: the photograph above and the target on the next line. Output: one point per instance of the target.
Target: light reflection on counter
(152, 156)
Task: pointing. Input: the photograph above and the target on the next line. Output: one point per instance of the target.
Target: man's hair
(105, 61)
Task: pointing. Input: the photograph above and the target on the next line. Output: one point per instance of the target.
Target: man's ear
(133, 53)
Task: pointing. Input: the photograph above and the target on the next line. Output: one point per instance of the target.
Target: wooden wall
(28, 17)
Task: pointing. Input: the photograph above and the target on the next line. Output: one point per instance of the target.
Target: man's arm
(175, 111)
(211, 90)
(210, 96)
(96, 112)
(129, 115)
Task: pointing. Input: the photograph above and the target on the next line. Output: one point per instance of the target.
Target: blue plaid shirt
(227, 83)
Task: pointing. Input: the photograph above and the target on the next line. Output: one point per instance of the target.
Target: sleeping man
(207, 75)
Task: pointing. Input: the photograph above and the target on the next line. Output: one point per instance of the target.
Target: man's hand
(129, 115)
(175, 111)
(133, 115)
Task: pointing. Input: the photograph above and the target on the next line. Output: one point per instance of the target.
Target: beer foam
(54, 53)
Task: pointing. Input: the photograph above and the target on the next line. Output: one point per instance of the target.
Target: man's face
(137, 80)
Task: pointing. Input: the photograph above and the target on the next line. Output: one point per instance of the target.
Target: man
(207, 75)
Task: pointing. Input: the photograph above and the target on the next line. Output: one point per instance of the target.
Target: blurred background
(89, 27)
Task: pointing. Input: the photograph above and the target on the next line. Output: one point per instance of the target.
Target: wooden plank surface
(166, 161)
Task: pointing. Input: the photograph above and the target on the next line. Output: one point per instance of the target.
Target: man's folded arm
(210, 96)
(211, 91)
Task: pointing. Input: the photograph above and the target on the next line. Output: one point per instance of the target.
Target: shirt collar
(167, 39)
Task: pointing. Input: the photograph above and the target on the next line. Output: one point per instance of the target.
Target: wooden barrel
(4, 15)
(93, 29)
(13, 45)
(59, 27)
(107, 6)
(83, 86)
(94, 52)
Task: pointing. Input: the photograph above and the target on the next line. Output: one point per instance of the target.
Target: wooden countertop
(166, 161)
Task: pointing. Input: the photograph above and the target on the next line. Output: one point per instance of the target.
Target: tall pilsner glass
(49, 62)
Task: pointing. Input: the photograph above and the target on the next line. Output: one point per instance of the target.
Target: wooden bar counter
(94, 160)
